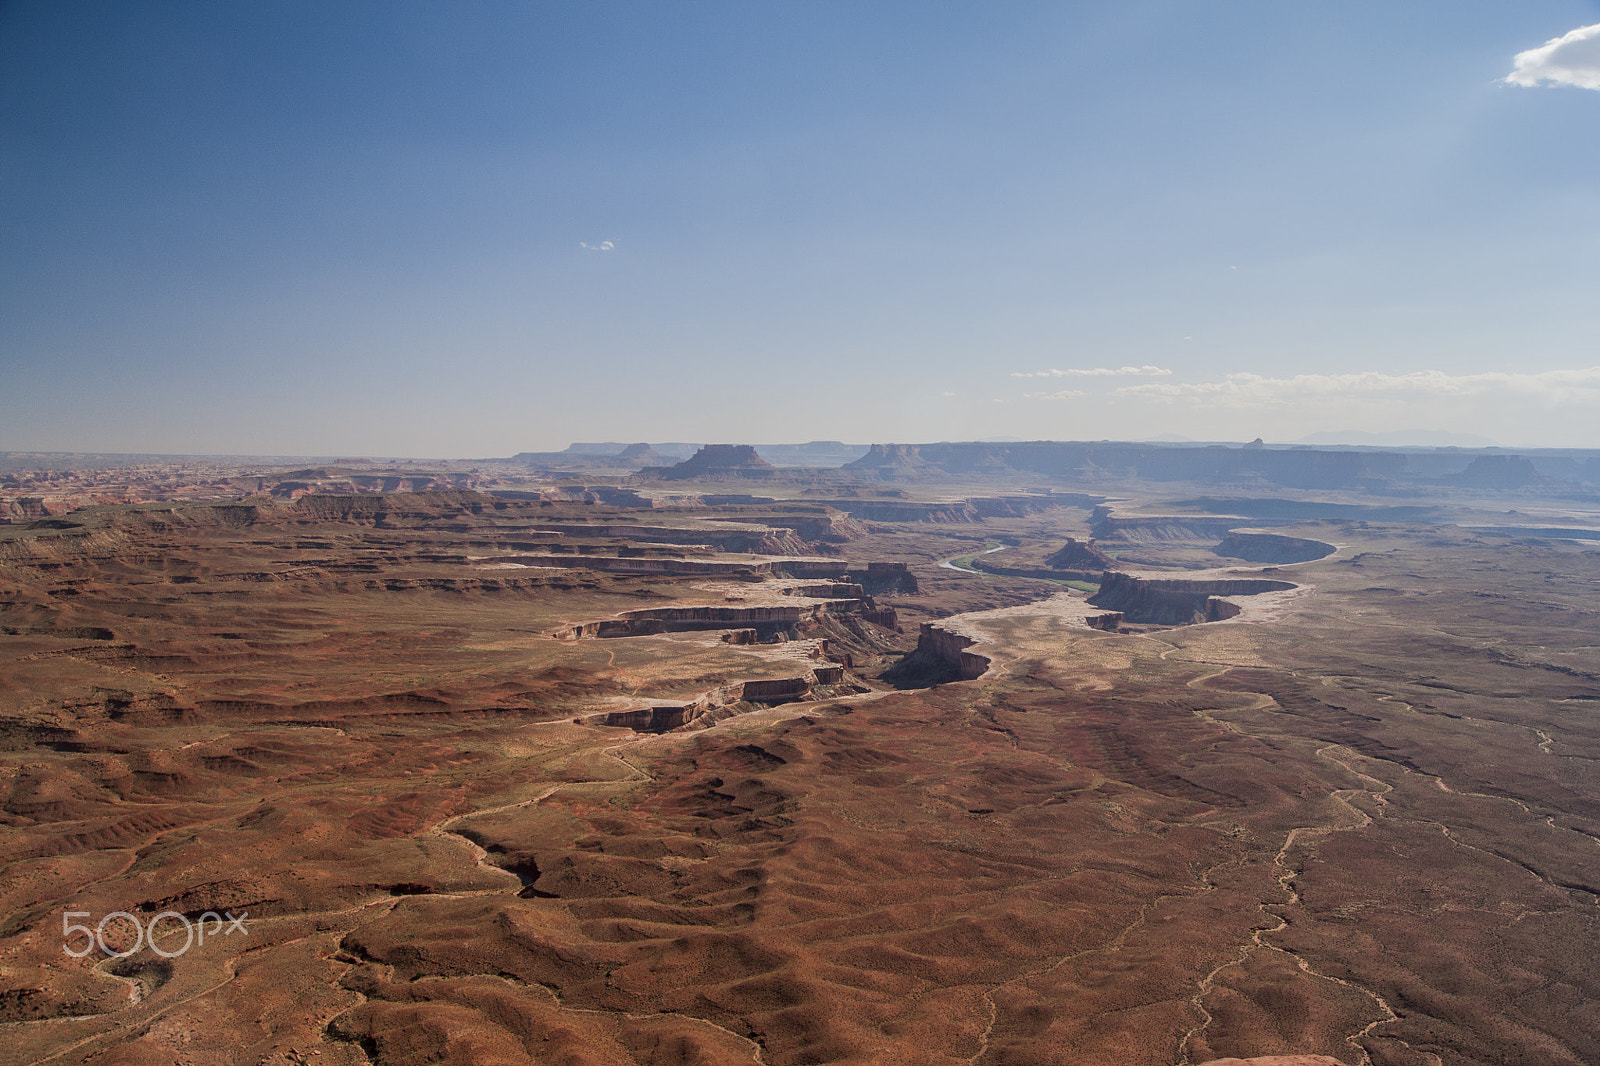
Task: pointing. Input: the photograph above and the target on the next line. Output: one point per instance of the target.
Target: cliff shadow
(920, 668)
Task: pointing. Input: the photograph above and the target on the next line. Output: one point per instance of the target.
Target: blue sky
(473, 229)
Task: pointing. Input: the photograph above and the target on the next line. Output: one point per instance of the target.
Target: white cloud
(1145, 371)
(1572, 59)
(1064, 394)
(1553, 387)
(597, 246)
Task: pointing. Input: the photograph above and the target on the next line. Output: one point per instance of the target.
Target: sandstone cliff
(950, 646)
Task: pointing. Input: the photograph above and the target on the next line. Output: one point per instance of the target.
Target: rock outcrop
(1177, 601)
(1079, 555)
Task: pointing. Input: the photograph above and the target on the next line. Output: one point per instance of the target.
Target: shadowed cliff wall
(952, 648)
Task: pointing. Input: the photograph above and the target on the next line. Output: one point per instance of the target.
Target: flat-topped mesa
(1272, 548)
(1178, 601)
(1151, 528)
(716, 460)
